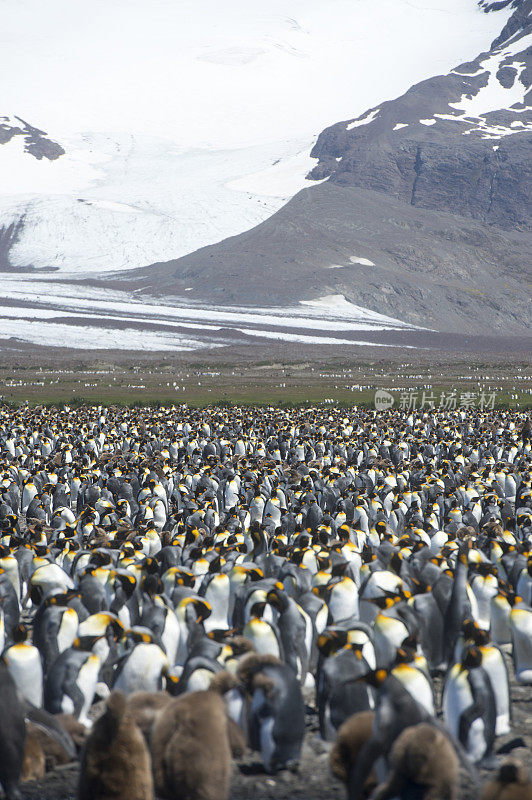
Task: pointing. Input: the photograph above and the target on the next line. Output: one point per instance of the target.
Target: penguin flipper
(46, 721)
(467, 718)
(72, 690)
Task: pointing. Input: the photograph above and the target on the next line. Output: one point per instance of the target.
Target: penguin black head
(471, 658)
(20, 634)
(382, 602)
(331, 641)
(376, 677)
(152, 585)
(172, 685)
(404, 655)
(257, 609)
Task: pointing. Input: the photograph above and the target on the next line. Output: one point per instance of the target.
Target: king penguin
(23, 661)
(468, 705)
(277, 711)
(70, 685)
(521, 630)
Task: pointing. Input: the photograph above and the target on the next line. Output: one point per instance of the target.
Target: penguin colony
(204, 570)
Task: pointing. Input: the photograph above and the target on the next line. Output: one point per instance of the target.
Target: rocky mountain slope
(424, 214)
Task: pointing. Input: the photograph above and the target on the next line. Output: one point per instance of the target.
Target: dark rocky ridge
(442, 210)
(36, 142)
(449, 164)
(432, 268)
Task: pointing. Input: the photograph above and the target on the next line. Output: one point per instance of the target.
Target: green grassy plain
(167, 382)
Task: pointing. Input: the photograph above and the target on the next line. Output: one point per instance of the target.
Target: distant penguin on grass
(115, 762)
(190, 749)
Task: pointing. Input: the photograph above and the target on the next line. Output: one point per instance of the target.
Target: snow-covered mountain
(174, 125)
(175, 137)
(424, 212)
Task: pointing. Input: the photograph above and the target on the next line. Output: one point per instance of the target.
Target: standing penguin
(115, 762)
(468, 703)
(12, 735)
(144, 667)
(495, 666)
(70, 684)
(277, 711)
(338, 695)
(24, 664)
(295, 630)
(55, 627)
(521, 629)
(459, 605)
(395, 710)
(414, 679)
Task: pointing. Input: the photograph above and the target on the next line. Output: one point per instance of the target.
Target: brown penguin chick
(352, 735)
(240, 645)
(512, 783)
(115, 762)
(145, 707)
(74, 728)
(422, 757)
(190, 748)
(34, 762)
(54, 754)
(251, 664)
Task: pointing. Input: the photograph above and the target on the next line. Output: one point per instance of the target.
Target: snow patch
(341, 307)
(494, 96)
(399, 126)
(365, 262)
(366, 119)
(55, 334)
(56, 314)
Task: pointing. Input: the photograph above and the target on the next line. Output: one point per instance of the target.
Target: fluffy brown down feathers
(190, 750)
(115, 763)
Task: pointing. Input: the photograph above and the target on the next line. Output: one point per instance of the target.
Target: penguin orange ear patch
(380, 675)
